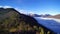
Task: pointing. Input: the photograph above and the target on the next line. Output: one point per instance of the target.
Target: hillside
(56, 16)
(11, 21)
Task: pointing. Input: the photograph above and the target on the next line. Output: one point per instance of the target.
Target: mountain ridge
(36, 15)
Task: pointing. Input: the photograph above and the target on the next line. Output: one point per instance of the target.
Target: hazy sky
(34, 6)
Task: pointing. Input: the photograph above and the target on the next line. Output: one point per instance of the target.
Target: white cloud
(46, 18)
(1, 6)
(31, 12)
(6, 7)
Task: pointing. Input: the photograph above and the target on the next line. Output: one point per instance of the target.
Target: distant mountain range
(36, 15)
(46, 15)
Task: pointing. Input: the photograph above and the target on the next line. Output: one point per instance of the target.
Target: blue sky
(34, 6)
